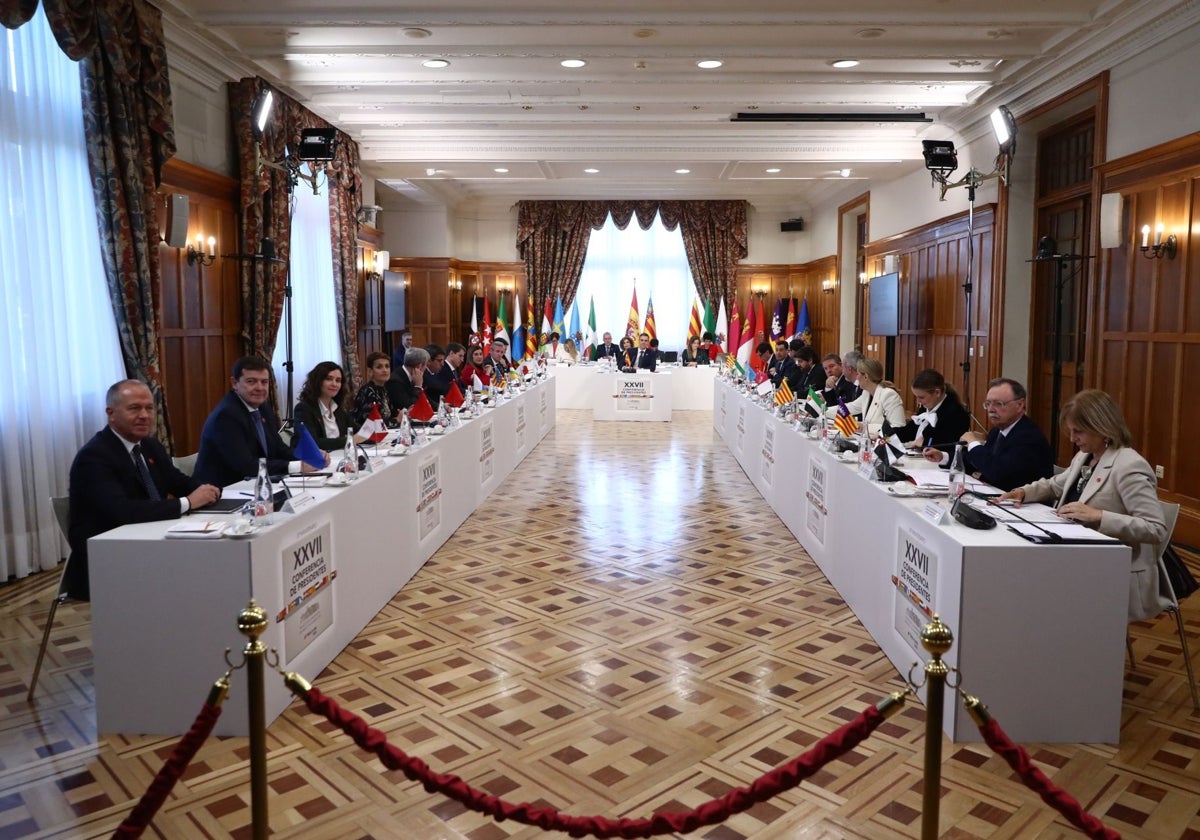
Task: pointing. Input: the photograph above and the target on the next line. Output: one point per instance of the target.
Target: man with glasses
(1014, 452)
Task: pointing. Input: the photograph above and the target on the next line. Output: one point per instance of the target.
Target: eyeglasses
(998, 403)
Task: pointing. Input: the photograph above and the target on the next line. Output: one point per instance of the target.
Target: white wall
(767, 244)
(485, 234)
(201, 104)
(1154, 97)
(422, 231)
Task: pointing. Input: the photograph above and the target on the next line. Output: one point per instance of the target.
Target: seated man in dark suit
(836, 383)
(805, 373)
(406, 343)
(497, 360)
(408, 380)
(780, 364)
(646, 358)
(242, 428)
(123, 475)
(606, 349)
(435, 382)
(1014, 452)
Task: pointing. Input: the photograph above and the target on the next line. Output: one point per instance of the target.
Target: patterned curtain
(552, 238)
(264, 205)
(127, 117)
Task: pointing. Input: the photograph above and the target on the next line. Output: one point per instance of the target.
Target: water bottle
(264, 496)
(349, 466)
(405, 437)
(958, 483)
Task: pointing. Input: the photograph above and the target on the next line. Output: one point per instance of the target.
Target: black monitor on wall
(885, 304)
(393, 301)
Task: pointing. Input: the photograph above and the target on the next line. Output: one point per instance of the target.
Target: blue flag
(559, 326)
(306, 448)
(575, 328)
(803, 327)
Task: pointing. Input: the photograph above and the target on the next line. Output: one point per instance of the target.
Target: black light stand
(1046, 253)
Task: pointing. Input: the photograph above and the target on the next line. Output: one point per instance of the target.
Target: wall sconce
(828, 285)
(863, 279)
(383, 261)
(195, 253)
(759, 290)
(455, 284)
(1160, 248)
(503, 287)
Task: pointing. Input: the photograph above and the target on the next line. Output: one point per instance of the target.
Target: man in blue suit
(242, 429)
(122, 476)
(1014, 452)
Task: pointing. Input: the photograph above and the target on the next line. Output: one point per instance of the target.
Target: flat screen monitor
(393, 301)
(885, 304)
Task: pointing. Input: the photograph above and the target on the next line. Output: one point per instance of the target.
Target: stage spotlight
(1005, 126)
(316, 144)
(262, 112)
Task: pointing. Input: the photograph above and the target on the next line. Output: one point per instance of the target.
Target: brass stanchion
(252, 621)
(937, 639)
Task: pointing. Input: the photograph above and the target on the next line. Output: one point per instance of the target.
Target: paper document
(197, 529)
(1065, 530)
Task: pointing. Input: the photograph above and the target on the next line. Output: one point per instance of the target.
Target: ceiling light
(430, 171)
(873, 32)
(773, 170)
(591, 171)
(435, 63)
(844, 63)
(416, 32)
(501, 170)
(709, 64)
(682, 171)
(573, 62)
(644, 33)
(845, 173)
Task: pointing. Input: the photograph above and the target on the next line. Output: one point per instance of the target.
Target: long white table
(1039, 631)
(164, 610)
(586, 386)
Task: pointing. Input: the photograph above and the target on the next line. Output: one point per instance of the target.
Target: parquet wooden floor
(624, 627)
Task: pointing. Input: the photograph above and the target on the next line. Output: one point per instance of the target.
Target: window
(653, 259)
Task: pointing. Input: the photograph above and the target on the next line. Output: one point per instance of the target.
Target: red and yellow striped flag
(783, 394)
(650, 327)
(844, 420)
(635, 320)
(694, 325)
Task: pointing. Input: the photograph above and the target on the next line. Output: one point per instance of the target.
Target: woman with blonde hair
(883, 403)
(1109, 487)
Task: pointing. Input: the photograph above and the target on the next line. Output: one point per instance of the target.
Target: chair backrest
(1170, 512)
(186, 464)
(62, 512)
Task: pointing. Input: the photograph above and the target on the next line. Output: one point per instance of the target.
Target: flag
(710, 319)
(650, 328)
(760, 376)
(372, 428)
(531, 333)
(890, 450)
(722, 327)
(789, 326)
(777, 322)
(560, 326)
(454, 396)
(730, 361)
(517, 348)
(783, 394)
(547, 320)
(421, 409)
(485, 339)
(803, 328)
(745, 354)
(502, 324)
(735, 332)
(590, 337)
(474, 322)
(635, 320)
(761, 323)
(574, 329)
(844, 420)
(306, 448)
(814, 403)
(695, 327)
(476, 382)
(764, 385)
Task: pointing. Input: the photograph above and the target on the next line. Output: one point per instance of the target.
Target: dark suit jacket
(778, 370)
(843, 388)
(229, 448)
(437, 385)
(106, 493)
(603, 350)
(952, 421)
(648, 361)
(309, 416)
(800, 381)
(1013, 460)
(401, 390)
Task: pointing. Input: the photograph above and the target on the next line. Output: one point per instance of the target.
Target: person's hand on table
(1081, 513)
(931, 454)
(203, 496)
(1017, 496)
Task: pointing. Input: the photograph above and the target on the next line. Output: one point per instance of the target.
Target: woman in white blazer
(881, 401)
(1111, 488)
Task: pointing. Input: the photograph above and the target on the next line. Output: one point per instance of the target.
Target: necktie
(144, 474)
(256, 419)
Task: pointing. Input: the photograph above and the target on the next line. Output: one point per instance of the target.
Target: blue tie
(257, 419)
(144, 474)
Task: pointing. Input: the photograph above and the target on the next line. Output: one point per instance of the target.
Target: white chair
(186, 464)
(62, 512)
(1170, 512)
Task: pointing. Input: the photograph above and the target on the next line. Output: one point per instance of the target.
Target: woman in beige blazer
(1111, 488)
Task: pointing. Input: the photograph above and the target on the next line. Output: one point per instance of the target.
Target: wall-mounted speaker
(1111, 212)
(177, 220)
(791, 226)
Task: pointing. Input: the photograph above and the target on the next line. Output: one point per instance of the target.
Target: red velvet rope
(172, 769)
(1057, 798)
(782, 778)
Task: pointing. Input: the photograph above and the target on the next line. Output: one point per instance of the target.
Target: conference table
(1039, 630)
(612, 395)
(164, 610)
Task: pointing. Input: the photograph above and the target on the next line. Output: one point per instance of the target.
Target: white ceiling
(641, 109)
